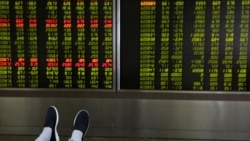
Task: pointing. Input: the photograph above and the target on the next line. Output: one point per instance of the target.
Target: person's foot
(51, 121)
(81, 125)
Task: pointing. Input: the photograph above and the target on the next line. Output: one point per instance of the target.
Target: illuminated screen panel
(185, 45)
(56, 44)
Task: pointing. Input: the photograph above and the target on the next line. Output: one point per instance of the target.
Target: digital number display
(185, 45)
(56, 44)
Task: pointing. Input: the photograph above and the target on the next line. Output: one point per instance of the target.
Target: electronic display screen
(56, 44)
(200, 45)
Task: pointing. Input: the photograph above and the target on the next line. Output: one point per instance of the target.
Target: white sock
(76, 135)
(45, 135)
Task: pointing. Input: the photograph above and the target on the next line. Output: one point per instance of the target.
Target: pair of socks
(47, 132)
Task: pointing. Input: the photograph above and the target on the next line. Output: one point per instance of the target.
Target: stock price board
(56, 44)
(185, 45)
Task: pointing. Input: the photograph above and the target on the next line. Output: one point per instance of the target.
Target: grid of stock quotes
(56, 44)
(185, 45)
